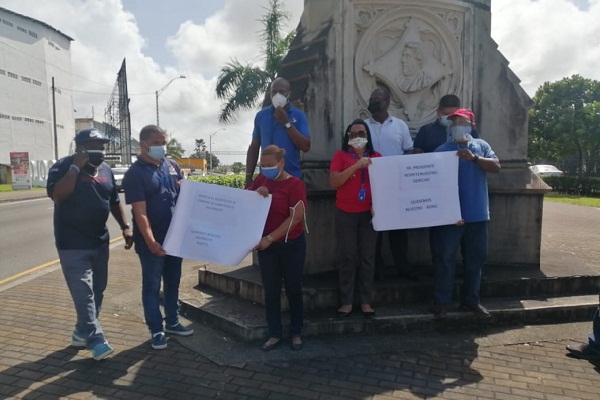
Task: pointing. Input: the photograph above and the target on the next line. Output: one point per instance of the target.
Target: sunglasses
(353, 135)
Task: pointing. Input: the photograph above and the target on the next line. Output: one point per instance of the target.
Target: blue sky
(544, 40)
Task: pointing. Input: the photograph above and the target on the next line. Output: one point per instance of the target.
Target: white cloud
(547, 40)
(543, 40)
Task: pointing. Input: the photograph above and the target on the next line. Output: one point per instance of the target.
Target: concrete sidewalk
(36, 319)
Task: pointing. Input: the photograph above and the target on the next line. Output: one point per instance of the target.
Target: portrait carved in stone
(415, 54)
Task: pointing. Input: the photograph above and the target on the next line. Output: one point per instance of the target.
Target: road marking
(6, 203)
(40, 267)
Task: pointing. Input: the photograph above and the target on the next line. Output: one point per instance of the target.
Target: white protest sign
(216, 224)
(415, 191)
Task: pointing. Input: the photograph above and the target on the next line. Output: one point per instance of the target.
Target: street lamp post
(159, 92)
(210, 145)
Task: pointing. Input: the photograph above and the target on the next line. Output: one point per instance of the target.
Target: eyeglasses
(353, 135)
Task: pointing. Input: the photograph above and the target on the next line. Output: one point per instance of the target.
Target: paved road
(27, 237)
(523, 363)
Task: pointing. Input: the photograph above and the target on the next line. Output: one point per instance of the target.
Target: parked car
(119, 172)
(545, 170)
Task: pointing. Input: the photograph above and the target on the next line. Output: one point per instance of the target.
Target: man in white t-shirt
(390, 137)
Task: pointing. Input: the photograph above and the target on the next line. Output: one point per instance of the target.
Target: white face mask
(445, 121)
(279, 100)
(461, 133)
(358, 143)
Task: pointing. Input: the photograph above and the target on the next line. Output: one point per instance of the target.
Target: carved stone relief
(414, 53)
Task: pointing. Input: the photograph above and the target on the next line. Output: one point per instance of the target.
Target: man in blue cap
(84, 192)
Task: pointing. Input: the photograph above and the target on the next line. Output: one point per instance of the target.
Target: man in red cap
(476, 159)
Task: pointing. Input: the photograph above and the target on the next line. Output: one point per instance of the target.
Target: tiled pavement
(36, 318)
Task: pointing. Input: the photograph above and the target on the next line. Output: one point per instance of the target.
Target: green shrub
(574, 185)
(234, 181)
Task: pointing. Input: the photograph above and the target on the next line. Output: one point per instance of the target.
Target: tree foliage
(240, 85)
(564, 125)
(238, 167)
(174, 149)
(200, 149)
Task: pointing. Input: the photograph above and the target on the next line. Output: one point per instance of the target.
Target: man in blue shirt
(151, 187)
(436, 133)
(83, 189)
(280, 124)
(476, 159)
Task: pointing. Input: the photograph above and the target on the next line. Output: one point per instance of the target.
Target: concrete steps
(232, 301)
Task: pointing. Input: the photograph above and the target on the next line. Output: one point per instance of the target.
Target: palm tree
(174, 149)
(200, 149)
(241, 85)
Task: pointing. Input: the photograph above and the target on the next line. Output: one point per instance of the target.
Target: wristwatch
(287, 125)
(270, 238)
(125, 227)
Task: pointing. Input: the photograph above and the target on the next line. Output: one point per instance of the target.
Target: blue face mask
(157, 152)
(270, 172)
(461, 133)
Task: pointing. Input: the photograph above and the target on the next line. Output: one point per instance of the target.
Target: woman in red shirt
(282, 249)
(356, 239)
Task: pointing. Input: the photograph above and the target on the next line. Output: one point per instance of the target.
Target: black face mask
(374, 107)
(96, 157)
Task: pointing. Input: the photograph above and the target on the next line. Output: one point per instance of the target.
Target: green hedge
(235, 181)
(574, 185)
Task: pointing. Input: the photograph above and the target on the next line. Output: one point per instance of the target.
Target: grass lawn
(8, 188)
(578, 200)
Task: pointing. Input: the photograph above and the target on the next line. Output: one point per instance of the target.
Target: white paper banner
(415, 190)
(216, 224)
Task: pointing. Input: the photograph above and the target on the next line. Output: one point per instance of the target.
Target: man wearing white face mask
(436, 133)
(280, 124)
(476, 159)
(151, 186)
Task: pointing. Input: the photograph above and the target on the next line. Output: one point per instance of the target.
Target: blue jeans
(86, 274)
(167, 268)
(447, 241)
(283, 261)
(594, 337)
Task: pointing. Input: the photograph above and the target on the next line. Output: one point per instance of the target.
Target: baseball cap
(463, 112)
(87, 135)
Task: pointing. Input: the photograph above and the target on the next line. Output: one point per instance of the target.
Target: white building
(31, 54)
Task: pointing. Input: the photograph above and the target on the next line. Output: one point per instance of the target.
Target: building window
(2, 72)
(37, 121)
(50, 44)
(26, 79)
(29, 120)
(11, 75)
(36, 82)
(60, 126)
(33, 34)
(5, 22)
(17, 118)
(4, 116)
(57, 90)
(21, 29)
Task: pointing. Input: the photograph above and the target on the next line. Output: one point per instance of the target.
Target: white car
(546, 170)
(119, 172)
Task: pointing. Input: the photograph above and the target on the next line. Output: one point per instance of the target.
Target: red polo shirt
(347, 194)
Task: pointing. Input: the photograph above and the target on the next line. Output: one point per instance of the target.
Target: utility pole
(54, 120)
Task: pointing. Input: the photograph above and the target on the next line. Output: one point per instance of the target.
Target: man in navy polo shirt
(151, 186)
(436, 133)
(83, 189)
(280, 124)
